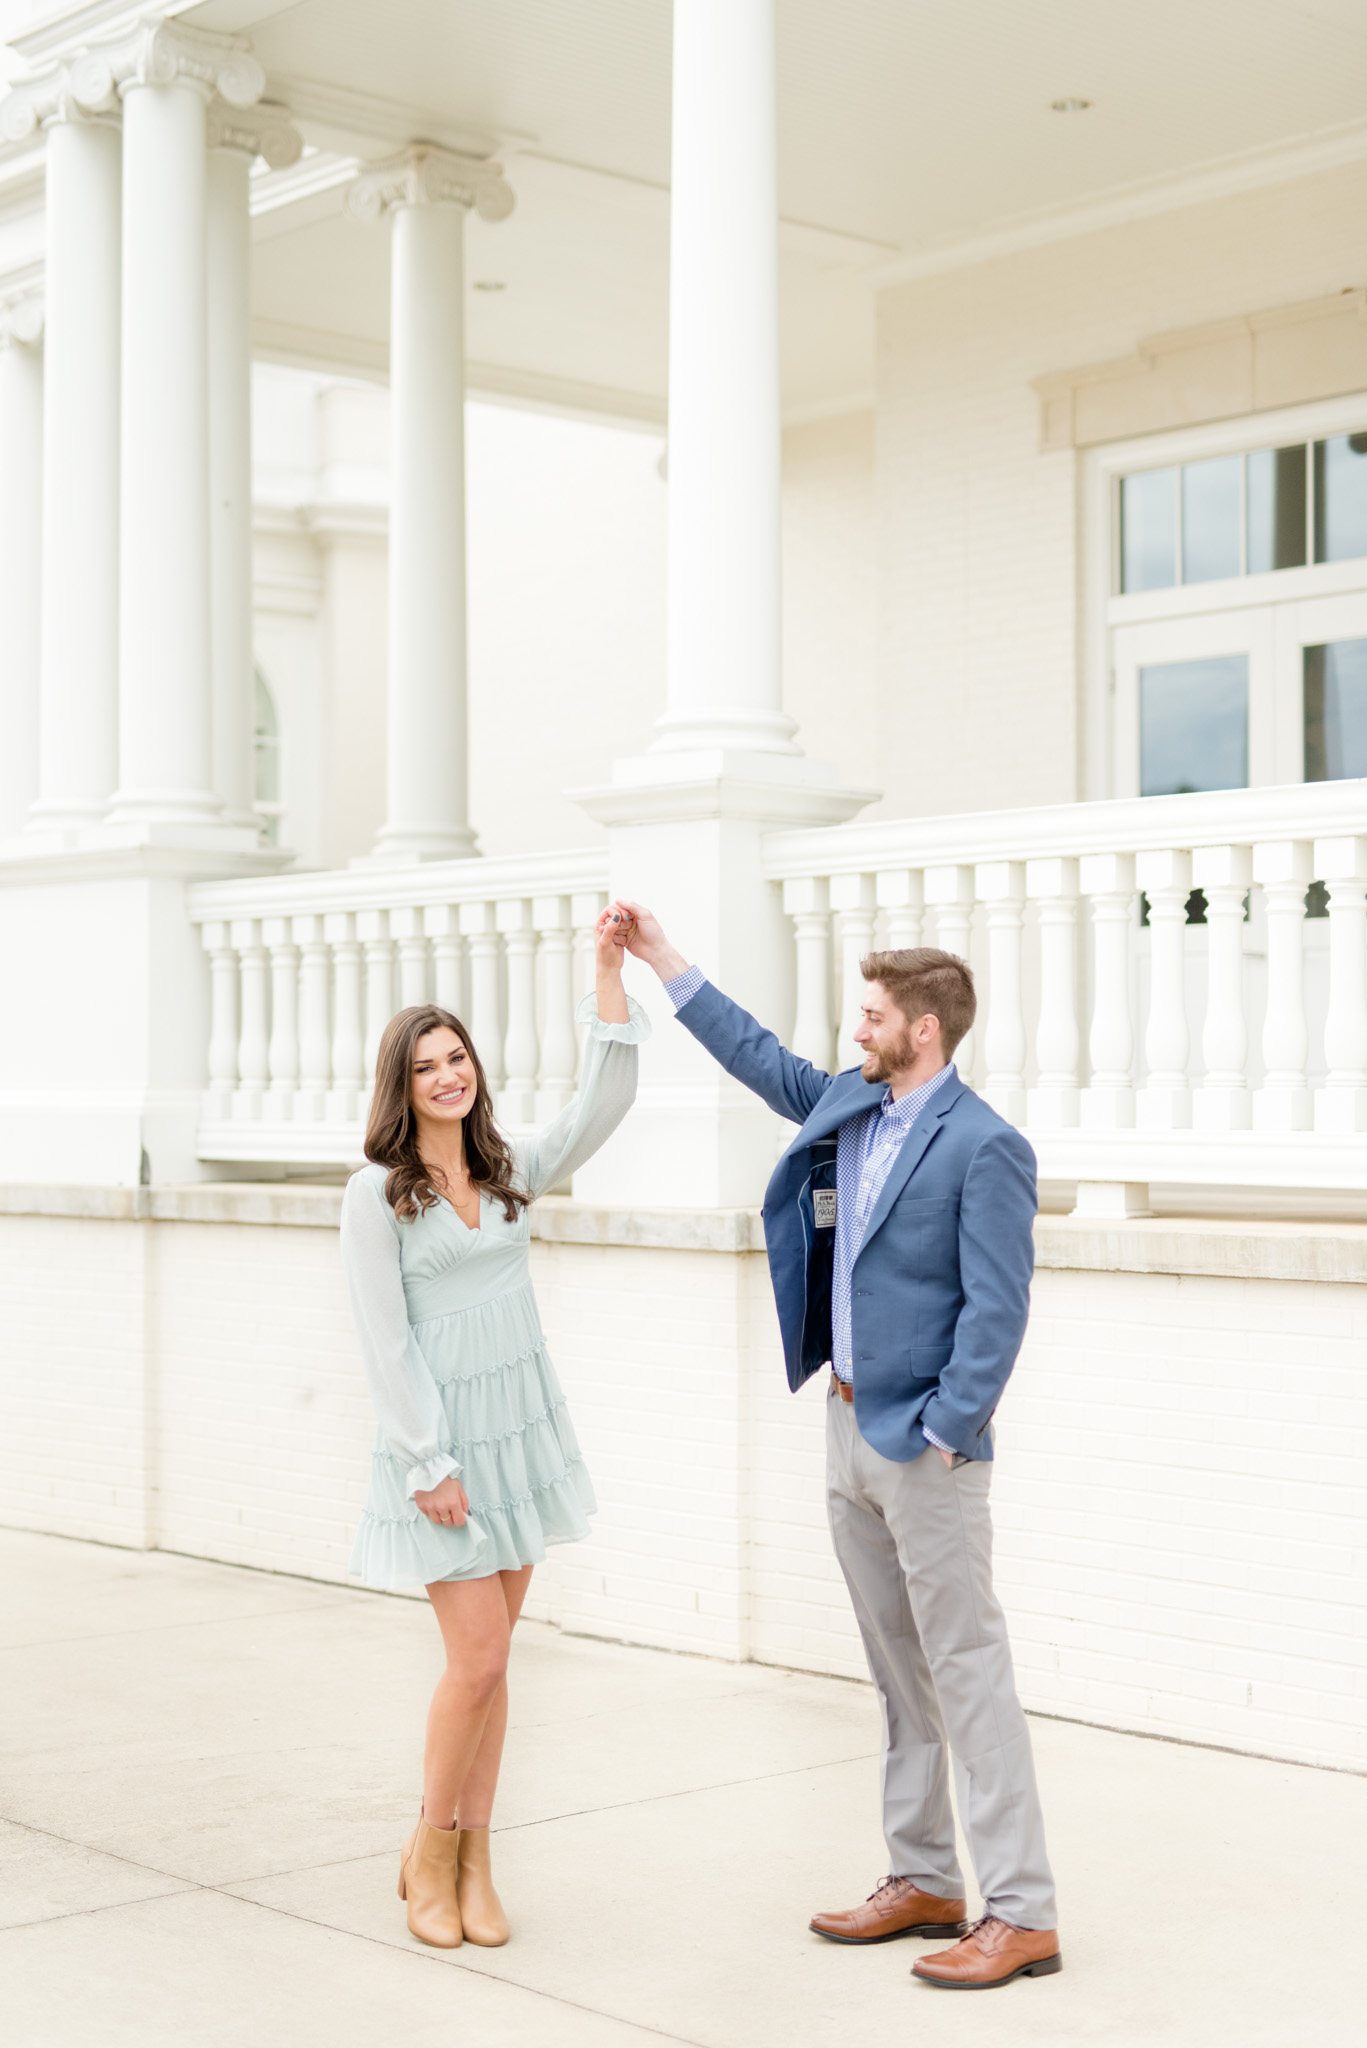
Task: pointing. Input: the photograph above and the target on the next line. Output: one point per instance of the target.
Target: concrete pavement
(207, 1773)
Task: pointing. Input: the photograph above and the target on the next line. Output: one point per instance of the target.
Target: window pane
(1210, 519)
(1193, 726)
(1336, 710)
(1276, 509)
(1148, 530)
(1341, 498)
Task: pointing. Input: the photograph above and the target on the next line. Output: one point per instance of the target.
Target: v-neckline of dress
(470, 1229)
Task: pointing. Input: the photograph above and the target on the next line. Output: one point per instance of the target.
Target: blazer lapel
(913, 1152)
(846, 1097)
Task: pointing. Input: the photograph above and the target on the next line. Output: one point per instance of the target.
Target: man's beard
(894, 1059)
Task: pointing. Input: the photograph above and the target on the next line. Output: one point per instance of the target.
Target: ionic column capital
(21, 317)
(264, 130)
(424, 175)
(87, 83)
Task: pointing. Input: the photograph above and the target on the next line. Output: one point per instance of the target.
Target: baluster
(1164, 1102)
(852, 896)
(372, 929)
(348, 1037)
(1222, 1103)
(407, 930)
(315, 1065)
(253, 1047)
(218, 944)
(520, 1051)
(1000, 884)
(482, 950)
(901, 892)
(1341, 1105)
(1285, 871)
(586, 907)
(949, 893)
(1054, 1101)
(559, 1045)
(283, 1052)
(1108, 1102)
(806, 899)
(441, 922)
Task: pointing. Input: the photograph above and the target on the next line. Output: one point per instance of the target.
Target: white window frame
(1273, 745)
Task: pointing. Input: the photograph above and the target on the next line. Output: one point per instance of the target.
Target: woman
(476, 1468)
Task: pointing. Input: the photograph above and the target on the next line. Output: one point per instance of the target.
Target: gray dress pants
(915, 1544)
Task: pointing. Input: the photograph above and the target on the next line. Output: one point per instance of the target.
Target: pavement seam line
(154, 1629)
(71, 1842)
(486, 1976)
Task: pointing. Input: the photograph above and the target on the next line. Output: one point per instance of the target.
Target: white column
(21, 502)
(1164, 1102)
(427, 191)
(949, 893)
(348, 1028)
(1000, 884)
(483, 951)
(901, 893)
(1283, 1102)
(78, 708)
(725, 681)
(521, 1052)
(235, 138)
(1341, 1105)
(1108, 1101)
(1222, 1102)
(315, 1062)
(807, 900)
(852, 896)
(559, 1046)
(166, 76)
(1052, 885)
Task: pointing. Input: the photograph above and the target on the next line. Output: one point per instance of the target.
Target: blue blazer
(941, 1284)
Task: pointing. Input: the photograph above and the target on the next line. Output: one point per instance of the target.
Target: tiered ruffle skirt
(510, 1429)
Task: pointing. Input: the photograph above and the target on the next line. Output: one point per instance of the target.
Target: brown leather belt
(841, 1387)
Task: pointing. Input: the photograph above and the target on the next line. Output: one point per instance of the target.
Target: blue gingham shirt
(866, 1148)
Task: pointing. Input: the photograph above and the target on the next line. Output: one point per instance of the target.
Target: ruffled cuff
(635, 1031)
(422, 1478)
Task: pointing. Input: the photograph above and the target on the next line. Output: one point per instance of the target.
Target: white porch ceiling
(904, 128)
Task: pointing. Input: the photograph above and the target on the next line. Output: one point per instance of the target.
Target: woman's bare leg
(476, 1804)
(476, 1618)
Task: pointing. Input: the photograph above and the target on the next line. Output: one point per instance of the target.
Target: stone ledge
(1234, 1250)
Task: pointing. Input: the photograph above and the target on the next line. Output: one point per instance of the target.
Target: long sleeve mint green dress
(456, 1359)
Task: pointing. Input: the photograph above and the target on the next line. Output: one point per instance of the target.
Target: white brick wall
(1178, 1497)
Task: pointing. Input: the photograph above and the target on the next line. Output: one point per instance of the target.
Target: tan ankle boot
(482, 1916)
(427, 1880)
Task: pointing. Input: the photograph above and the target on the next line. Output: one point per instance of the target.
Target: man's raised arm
(790, 1085)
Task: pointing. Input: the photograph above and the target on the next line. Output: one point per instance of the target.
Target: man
(899, 1232)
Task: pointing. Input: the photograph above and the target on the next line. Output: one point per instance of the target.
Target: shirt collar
(911, 1102)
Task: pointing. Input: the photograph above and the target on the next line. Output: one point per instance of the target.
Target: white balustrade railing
(1132, 1044)
(306, 970)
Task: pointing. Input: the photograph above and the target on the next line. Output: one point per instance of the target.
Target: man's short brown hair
(924, 982)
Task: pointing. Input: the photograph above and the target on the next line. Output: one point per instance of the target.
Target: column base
(687, 838)
(399, 847)
(1341, 1111)
(1282, 1109)
(1112, 1201)
(1108, 1108)
(1053, 1108)
(1008, 1101)
(1164, 1109)
(1221, 1109)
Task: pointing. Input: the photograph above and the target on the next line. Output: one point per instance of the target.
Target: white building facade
(459, 463)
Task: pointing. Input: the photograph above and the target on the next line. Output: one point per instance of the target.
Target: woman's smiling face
(444, 1087)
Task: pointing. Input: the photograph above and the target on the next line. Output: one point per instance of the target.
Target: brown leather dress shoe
(895, 1909)
(992, 1953)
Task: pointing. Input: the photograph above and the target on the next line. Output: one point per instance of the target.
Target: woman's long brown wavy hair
(391, 1133)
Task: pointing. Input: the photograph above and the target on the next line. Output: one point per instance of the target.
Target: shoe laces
(890, 1883)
